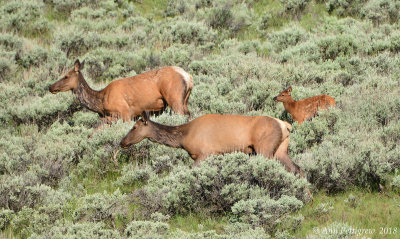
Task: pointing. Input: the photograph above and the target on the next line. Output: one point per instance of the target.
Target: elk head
(139, 131)
(284, 96)
(69, 81)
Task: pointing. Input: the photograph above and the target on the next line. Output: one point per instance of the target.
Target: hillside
(58, 178)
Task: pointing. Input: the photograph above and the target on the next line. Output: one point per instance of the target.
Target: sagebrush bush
(227, 183)
(146, 229)
(5, 218)
(103, 64)
(295, 6)
(220, 17)
(333, 47)
(84, 230)
(101, 207)
(35, 57)
(184, 32)
(23, 17)
(265, 212)
(233, 230)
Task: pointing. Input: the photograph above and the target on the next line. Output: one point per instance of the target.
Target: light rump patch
(285, 127)
(185, 75)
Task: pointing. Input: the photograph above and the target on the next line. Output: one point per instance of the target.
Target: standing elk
(304, 109)
(127, 98)
(218, 134)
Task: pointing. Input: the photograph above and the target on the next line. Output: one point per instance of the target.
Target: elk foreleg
(198, 158)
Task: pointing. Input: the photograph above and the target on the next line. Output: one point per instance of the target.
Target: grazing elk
(217, 134)
(127, 98)
(303, 109)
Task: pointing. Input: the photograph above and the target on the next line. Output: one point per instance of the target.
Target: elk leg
(175, 100)
(177, 108)
(107, 120)
(197, 159)
(265, 148)
(185, 104)
(125, 113)
(282, 155)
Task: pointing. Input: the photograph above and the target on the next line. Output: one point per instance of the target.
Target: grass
(197, 223)
(309, 18)
(154, 8)
(368, 210)
(314, 16)
(379, 212)
(53, 15)
(94, 183)
(8, 233)
(262, 6)
(261, 9)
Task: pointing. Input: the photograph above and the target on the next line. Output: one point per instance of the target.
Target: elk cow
(218, 134)
(127, 98)
(303, 109)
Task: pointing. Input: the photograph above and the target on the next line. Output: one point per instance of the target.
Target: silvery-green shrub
(224, 183)
(146, 229)
(265, 212)
(295, 6)
(84, 230)
(5, 218)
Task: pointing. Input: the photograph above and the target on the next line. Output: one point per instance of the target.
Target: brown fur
(129, 97)
(304, 109)
(219, 134)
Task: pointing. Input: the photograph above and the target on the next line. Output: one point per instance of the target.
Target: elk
(218, 134)
(306, 108)
(127, 98)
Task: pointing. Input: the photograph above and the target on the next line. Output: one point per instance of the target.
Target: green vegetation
(358, 208)
(57, 171)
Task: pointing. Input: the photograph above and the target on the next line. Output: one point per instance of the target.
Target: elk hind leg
(265, 148)
(177, 107)
(185, 104)
(282, 155)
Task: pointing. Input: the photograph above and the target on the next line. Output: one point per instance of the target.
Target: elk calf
(127, 98)
(303, 109)
(218, 134)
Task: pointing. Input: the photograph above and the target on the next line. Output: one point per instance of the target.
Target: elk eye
(134, 127)
(282, 95)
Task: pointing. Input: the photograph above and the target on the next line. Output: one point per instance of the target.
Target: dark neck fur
(167, 135)
(91, 99)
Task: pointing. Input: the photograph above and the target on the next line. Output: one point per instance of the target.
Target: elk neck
(290, 105)
(91, 99)
(168, 135)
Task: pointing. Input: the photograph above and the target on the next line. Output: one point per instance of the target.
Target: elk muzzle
(125, 143)
(52, 90)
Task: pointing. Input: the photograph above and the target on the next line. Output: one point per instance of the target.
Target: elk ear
(289, 89)
(82, 65)
(145, 117)
(77, 65)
